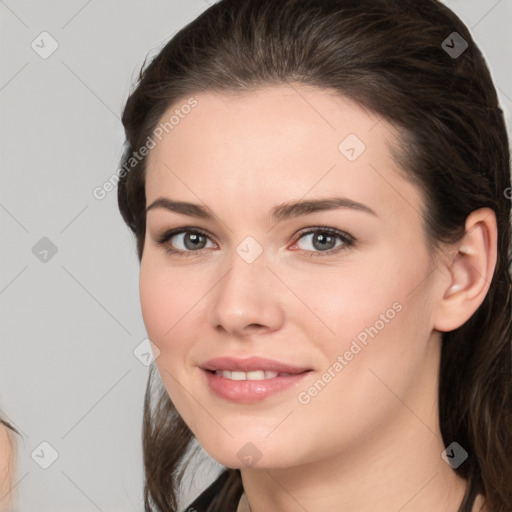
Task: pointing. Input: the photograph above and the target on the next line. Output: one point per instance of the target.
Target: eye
(323, 241)
(189, 241)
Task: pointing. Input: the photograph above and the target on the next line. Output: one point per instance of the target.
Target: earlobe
(470, 272)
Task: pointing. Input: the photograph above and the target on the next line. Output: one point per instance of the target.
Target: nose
(246, 300)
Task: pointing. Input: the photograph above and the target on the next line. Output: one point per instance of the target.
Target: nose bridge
(247, 264)
(245, 295)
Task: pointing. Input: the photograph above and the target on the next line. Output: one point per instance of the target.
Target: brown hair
(389, 57)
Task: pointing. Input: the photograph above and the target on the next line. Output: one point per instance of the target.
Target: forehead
(270, 120)
(274, 144)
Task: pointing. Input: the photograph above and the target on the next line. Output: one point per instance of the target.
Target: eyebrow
(279, 213)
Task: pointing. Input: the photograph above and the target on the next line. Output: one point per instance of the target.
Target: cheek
(345, 301)
(170, 305)
(383, 329)
(167, 309)
(162, 308)
(375, 312)
(152, 299)
(159, 302)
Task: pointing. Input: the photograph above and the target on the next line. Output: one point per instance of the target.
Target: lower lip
(250, 391)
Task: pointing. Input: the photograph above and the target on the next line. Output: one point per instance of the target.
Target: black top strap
(201, 503)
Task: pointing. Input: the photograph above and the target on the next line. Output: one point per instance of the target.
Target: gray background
(70, 323)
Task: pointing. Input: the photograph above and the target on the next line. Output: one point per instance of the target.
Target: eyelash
(347, 239)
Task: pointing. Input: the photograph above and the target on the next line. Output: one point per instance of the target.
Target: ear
(469, 273)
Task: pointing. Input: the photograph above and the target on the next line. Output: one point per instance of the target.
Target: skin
(6, 468)
(370, 439)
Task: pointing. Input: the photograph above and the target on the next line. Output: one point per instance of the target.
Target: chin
(251, 451)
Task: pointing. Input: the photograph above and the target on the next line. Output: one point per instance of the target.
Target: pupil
(194, 238)
(322, 239)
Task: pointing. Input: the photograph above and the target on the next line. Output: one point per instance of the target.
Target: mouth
(250, 365)
(252, 375)
(250, 380)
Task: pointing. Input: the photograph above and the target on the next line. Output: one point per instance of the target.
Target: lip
(250, 391)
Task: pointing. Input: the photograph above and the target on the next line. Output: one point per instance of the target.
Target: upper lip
(250, 364)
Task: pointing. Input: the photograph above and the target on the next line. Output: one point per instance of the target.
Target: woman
(318, 190)
(7, 464)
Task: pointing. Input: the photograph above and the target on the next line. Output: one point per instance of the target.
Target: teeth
(253, 375)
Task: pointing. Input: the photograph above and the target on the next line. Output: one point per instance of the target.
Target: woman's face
(341, 294)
